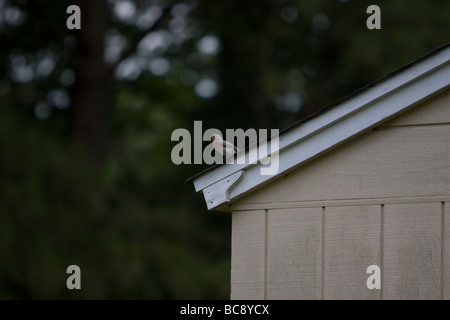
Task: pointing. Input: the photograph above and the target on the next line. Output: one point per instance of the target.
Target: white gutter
(346, 120)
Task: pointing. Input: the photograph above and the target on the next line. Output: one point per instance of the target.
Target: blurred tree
(90, 91)
(247, 37)
(86, 118)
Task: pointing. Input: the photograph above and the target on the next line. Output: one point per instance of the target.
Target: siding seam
(340, 202)
(415, 125)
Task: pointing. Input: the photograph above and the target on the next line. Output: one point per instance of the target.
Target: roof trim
(332, 126)
(335, 103)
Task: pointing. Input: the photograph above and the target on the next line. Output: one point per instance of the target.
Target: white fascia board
(346, 120)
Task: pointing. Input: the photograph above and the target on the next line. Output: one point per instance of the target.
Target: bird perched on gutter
(223, 147)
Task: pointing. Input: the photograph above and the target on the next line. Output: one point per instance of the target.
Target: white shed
(364, 182)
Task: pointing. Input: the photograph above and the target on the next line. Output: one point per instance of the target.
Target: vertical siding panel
(294, 253)
(266, 253)
(248, 254)
(352, 243)
(446, 256)
(322, 283)
(412, 262)
(382, 249)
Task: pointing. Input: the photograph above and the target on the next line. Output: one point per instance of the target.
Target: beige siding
(294, 263)
(248, 255)
(445, 208)
(396, 162)
(380, 199)
(323, 253)
(412, 251)
(399, 161)
(352, 243)
(434, 111)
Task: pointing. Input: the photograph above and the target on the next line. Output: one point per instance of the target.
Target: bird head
(215, 137)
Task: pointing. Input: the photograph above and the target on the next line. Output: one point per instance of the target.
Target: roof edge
(337, 102)
(338, 123)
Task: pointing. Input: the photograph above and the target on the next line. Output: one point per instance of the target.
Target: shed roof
(330, 126)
